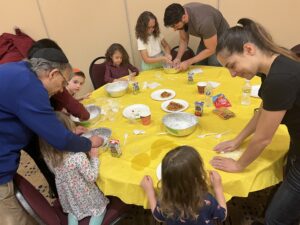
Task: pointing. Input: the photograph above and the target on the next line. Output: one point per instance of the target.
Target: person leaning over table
(199, 20)
(247, 49)
(25, 109)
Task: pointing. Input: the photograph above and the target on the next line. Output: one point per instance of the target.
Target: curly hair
(173, 14)
(183, 183)
(117, 47)
(142, 26)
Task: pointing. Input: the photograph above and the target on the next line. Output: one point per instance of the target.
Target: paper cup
(201, 87)
(146, 118)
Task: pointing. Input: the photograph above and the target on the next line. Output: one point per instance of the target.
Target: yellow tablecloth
(142, 153)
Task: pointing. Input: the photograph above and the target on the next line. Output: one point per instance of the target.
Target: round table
(141, 154)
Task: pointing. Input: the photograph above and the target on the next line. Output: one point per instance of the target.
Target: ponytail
(233, 39)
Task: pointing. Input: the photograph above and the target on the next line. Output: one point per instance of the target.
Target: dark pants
(210, 61)
(285, 205)
(33, 149)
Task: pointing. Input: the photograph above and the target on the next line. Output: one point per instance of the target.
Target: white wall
(85, 29)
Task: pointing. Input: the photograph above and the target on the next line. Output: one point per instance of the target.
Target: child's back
(75, 182)
(211, 209)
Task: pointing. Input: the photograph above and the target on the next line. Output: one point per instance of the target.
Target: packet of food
(224, 113)
(220, 101)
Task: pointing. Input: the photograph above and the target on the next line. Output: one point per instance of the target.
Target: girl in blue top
(184, 197)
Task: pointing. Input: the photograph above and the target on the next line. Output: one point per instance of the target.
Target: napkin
(197, 70)
(153, 85)
(137, 132)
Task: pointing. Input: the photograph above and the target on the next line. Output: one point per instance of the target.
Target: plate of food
(163, 94)
(254, 91)
(135, 111)
(174, 105)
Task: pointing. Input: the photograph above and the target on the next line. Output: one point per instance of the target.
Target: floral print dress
(77, 191)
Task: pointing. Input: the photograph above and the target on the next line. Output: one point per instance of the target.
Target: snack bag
(224, 113)
(220, 101)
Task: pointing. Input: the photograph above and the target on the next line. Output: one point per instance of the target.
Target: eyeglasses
(65, 83)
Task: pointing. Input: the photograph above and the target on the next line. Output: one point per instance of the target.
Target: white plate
(156, 95)
(180, 101)
(135, 111)
(254, 91)
(158, 172)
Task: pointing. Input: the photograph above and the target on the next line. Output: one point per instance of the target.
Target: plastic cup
(201, 87)
(146, 119)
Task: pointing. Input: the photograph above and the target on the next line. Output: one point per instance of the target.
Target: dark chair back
(40, 209)
(296, 49)
(189, 53)
(97, 71)
(34, 202)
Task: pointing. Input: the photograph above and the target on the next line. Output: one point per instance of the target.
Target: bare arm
(216, 182)
(147, 59)
(166, 46)
(237, 141)
(266, 127)
(210, 44)
(147, 185)
(183, 43)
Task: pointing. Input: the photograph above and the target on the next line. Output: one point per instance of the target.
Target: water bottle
(246, 92)
(208, 94)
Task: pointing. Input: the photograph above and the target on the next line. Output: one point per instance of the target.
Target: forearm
(182, 47)
(152, 199)
(249, 128)
(219, 194)
(150, 60)
(254, 149)
(202, 55)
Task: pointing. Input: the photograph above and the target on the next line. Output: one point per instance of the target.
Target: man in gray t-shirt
(199, 20)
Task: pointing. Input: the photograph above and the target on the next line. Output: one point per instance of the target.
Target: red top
(115, 72)
(73, 106)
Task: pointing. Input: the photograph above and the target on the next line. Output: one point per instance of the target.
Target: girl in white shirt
(150, 42)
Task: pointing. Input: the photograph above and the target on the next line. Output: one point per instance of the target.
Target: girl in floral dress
(75, 177)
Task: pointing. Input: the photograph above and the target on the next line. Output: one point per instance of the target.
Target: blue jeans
(210, 61)
(285, 205)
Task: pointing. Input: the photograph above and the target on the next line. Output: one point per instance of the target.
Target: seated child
(184, 197)
(117, 64)
(75, 177)
(150, 42)
(65, 100)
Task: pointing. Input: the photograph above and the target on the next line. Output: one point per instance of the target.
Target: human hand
(96, 141)
(226, 164)
(147, 184)
(167, 60)
(215, 179)
(80, 130)
(87, 95)
(176, 63)
(184, 66)
(227, 146)
(94, 153)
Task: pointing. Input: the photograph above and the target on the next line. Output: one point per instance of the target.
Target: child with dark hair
(117, 64)
(150, 42)
(184, 197)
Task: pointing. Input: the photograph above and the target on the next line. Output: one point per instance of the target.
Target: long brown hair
(183, 183)
(117, 47)
(233, 40)
(51, 155)
(141, 26)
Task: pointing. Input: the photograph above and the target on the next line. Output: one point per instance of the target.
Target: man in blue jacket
(25, 109)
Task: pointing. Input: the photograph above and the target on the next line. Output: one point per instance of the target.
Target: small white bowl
(116, 89)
